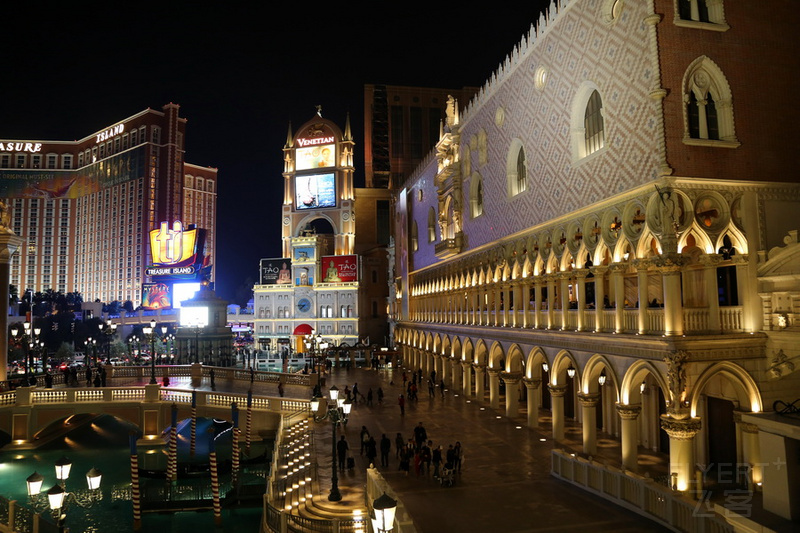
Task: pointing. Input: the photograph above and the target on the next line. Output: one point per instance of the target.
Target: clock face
(303, 305)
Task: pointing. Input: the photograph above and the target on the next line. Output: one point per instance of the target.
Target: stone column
(512, 379)
(526, 299)
(551, 300)
(516, 291)
(629, 437)
(466, 375)
(506, 303)
(494, 387)
(475, 295)
(9, 243)
(580, 293)
(710, 263)
(599, 296)
(533, 401)
(480, 389)
(557, 410)
(564, 284)
(681, 449)
(537, 302)
(589, 403)
(497, 321)
(670, 266)
(751, 450)
(644, 301)
(455, 374)
(618, 282)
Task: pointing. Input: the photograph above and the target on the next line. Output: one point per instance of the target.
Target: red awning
(303, 329)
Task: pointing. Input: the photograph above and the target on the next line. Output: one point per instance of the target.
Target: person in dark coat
(386, 446)
(372, 450)
(341, 451)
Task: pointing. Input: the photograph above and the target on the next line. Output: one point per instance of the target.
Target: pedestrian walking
(103, 376)
(280, 388)
(405, 379)
(355, 393)
(369, 397)
(88, 376)
(399, 443)
(420, 435)
(380, 396)
(386, 446)
(341, 451)
(402, 402)
(431, 388)
(436, 459)
(441, 387)
(211, 378)
(364, 438)
(425, 456)
(458, 455)
(372, 451)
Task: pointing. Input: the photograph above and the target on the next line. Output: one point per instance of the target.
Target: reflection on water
(102, 442)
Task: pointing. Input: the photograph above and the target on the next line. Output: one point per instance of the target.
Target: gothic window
(708, 105)
(593, 124)
(431, 224)
(476, 195)
(414, 237)
(516, 169)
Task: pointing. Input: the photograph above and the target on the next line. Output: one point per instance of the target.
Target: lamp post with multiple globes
(338, 411)
(57, 495)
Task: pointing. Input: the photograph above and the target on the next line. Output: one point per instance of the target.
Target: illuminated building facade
(331, 275)
(608, 232)
(85, 207)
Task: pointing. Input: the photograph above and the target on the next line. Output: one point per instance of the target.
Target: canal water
(102, 442)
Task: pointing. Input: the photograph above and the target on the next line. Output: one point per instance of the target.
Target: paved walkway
(505, 484)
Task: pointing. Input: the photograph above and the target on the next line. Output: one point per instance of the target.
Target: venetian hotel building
(84, 208)
(607, 236)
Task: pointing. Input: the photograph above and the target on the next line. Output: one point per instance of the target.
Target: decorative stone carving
(531, 383)
(628, 412)
(557, 391)
(589, 399)
(780, 366)
(676, 382)
(511, 377)
(680, 429)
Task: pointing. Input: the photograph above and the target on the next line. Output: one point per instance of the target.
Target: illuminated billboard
(177, 252)
(315, 191)
(339, 268)
(276, 271)
(315, 157)
(156, 296)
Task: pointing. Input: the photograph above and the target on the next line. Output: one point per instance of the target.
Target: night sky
(241, 74)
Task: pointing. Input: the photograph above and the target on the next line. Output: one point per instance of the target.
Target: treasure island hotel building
(84, 208)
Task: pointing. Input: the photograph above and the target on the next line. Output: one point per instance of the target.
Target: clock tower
(313, 287)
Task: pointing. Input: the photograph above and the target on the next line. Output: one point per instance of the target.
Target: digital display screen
(315, 157)
(315, 191)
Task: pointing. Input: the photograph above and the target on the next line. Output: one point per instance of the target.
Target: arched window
(587, 122)
(476, 195)
(516, 169)
(593, 124)
(431, 224)
(708, 111)
(414, 237)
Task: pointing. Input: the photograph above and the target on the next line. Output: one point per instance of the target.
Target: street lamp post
(150, 331)
(57, 495)
(337, 412)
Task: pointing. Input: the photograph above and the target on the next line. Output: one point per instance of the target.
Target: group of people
(96, 377)
(426, 459)
(412, 388)
(352, 395)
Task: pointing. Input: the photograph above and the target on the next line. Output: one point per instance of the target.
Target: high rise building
(85, 207)
(608, 233)
(401, 126)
